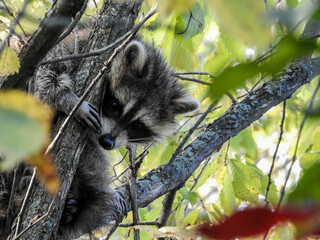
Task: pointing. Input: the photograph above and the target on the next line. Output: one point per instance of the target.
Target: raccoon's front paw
(70, 209)
(90, 115)
(122, 205)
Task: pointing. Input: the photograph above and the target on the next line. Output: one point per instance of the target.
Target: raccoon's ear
(184, 104)
(136, 55)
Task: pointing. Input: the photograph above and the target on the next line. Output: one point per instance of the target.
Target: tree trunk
(114, 20)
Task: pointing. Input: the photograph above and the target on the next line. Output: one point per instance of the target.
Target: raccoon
(141, 100)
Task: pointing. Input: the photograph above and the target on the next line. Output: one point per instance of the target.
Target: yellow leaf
(26, 104)
(9, 62)
(25, 125)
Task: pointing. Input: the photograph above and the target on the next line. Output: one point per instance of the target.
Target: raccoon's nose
(107, 141)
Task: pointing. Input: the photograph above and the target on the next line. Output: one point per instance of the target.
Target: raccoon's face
(142, 99)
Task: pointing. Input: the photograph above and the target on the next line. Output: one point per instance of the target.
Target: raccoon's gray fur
(140, 103)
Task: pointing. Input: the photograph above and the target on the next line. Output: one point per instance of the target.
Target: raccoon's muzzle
(107, 141)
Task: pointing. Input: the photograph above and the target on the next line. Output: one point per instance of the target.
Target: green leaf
(227, 196)
(316, 139)
(9, 62)
(193, 198)
(233, 46)
(244, 142)
(308, 159)
(191, 218)
(243, 19)
(232, 78)
(245, 181)
(181, 57)
(184, 192)
(292, 3)
(307, 189)
(20, 137)
(207, 173)
(196, 23)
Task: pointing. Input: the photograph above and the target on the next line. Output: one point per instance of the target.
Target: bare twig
(13, 25)
(227, 150)
(141, 223)
(276, 152)
(24, 202)
(193, 73)
(185, 139)
(191, 17)
(193, 80)
(111, 231)
(133, 189)
(11, 199)
(114, 168)
(166, 209)
(268, 52)
(297, 145)
(12, 15)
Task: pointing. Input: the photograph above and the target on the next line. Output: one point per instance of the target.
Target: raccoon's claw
(90, 115)
(69, 209)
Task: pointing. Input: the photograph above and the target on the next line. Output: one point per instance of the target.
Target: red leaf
(253, 221)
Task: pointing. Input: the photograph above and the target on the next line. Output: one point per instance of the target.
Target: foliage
(238, 44)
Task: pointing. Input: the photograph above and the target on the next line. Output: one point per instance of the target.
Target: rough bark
(239, 116)
(114, 20)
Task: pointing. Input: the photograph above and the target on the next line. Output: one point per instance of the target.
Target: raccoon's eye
(136, 126)
(114, 106)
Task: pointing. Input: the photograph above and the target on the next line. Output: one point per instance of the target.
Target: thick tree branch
(239, 116)
(51, 27)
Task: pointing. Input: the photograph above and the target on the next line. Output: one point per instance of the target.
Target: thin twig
(188, 24)
(12, 198)
(141, 223)
(111, 231)
(166, 209)
(196, 179)
(133, 31)
(193, 80)
(297, 145)
(133, 189)
(266, 54)
(13, 25)
(24, 202)
(227, 150)
(191, 131)
(32, 223)
(114, 168)
(193, 73)
(275, 153)
(12, 15)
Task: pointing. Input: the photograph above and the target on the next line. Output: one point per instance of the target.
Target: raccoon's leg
(53, 85)
(91, 202)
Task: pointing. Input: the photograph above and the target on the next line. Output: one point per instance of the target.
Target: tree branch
(238, 117)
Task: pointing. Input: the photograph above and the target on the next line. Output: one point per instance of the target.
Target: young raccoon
(140, 103)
